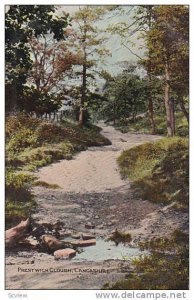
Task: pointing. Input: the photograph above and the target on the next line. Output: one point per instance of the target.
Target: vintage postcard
(97, 148)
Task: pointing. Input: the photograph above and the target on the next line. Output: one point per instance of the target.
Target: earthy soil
(91, 191)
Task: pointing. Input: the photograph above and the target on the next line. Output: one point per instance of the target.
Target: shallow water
(104, 250)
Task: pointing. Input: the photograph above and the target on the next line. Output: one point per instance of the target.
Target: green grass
(165, 268)
(33, 158)
(33, 143)
(142, 125)
(19, 199)
(159, 171)
(18, 186)
(15, 211)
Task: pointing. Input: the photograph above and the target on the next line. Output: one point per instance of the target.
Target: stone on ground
(89, 225)
(86, 243)
(87, 236)
(50, 243)
(76, 236)
(64, 253)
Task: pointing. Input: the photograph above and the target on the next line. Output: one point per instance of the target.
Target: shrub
(143, 125)
(159, 171)
(21, 139)
(18, 186)
(19, 200)
(50, 133)
(15, 123)
(120, 237)
(165, 268)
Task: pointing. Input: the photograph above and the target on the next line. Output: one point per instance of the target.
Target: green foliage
(164, 32)
(40, 102)
(15, 212)
(182, 126)
(126, 97)
(22, 22)
(142, 124)
(165, 268)
(18, 186)
(168, 47)
(19, 200)
(87, 41)
(159, 171)
(32, 143)
(130, 161)
(178, 240)
(36, 143)
(17, 122)
(34, 158)
(168, 39)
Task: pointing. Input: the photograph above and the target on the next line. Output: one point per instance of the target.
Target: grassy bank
(159, 171)
(32, 143)
(165, 268)
(142, 125)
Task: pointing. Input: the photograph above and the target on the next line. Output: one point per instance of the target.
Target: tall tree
(138, 25)
(165, 32)
(22, 22)
(87, 43)
(167, 42)
(147, 18)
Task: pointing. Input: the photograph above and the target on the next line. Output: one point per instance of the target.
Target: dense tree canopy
(164, 31)
(23, 23)
(50, 57)
(126, 95)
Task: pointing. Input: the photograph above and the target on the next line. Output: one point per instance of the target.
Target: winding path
(94, 170)
(91, 191)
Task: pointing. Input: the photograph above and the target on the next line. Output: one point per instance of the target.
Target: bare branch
(132, 51)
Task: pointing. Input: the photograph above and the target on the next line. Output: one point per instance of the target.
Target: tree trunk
(81, 117)
(83, 96)
(182, 106)
(172, 115)
(84, 71)
(114, 113)
(151, 107)
(150, 99)
(168, 104)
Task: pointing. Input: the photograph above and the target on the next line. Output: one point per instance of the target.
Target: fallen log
(14, 234)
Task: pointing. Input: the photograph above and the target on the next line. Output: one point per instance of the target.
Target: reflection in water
(104, 250)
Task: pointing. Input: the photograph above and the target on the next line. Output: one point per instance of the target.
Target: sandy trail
(94, 170)
(91, 191)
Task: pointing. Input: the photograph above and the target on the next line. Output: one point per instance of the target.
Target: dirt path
(91, 191)
(94, 170)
